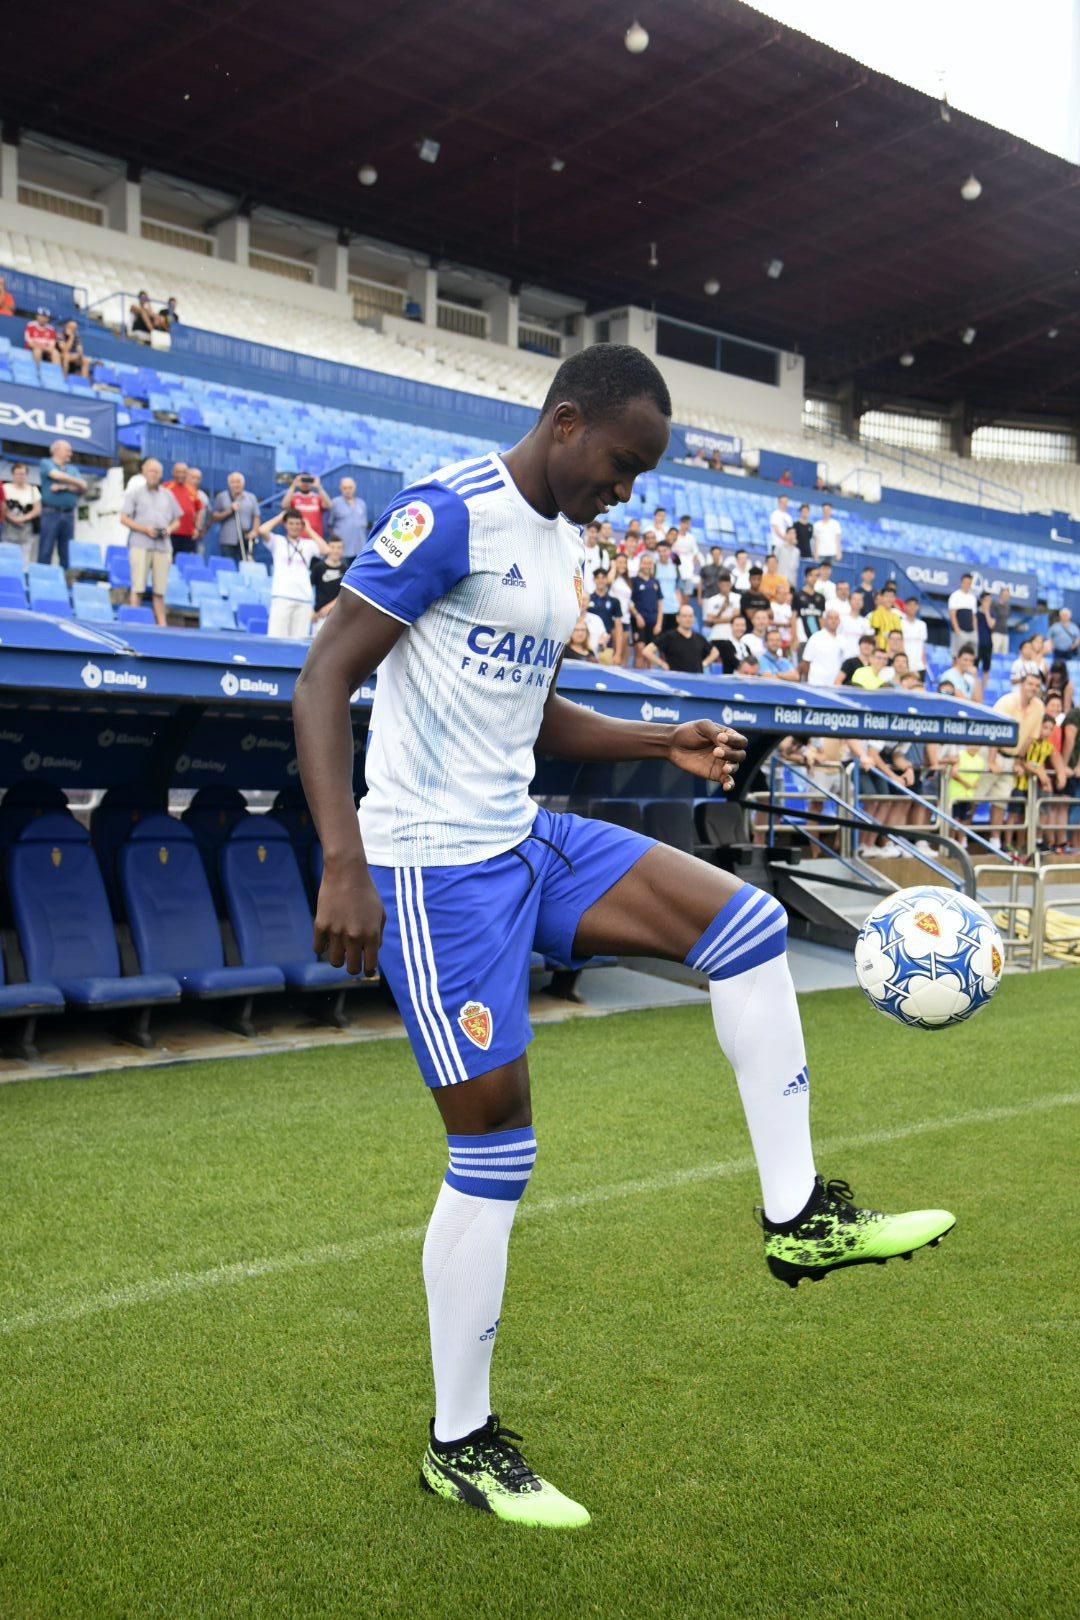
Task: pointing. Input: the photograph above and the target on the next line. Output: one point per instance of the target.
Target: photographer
(306, 496)
(150, 514)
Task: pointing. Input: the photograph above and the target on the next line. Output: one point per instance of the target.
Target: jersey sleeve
(416, 552)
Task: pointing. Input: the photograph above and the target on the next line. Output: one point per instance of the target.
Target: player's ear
(565, 421)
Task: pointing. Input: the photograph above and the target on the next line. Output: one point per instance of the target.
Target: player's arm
(349, 917)
(701, 747)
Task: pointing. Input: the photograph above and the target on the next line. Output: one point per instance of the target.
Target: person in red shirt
(7, 300)
(306, 495)
(183, 536)
(40, 337)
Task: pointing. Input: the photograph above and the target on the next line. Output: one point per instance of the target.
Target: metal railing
(1022, 914)
(987, 491)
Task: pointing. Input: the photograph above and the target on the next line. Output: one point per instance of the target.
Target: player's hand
(705, 749)
(349, 919)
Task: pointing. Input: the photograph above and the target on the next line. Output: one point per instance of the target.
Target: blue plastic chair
(11, 559)
(252, 617)
(135, 615)
(216, 616)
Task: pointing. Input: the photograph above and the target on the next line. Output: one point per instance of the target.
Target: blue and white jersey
(490, 591)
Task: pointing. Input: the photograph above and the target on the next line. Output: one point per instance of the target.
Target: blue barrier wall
(216, 455)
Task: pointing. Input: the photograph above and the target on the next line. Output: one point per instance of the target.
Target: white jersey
(490, 591)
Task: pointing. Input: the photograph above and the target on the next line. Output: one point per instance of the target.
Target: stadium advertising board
(729, 447)
(40, 415)
(936, 577)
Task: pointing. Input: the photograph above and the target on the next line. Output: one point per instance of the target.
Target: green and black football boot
(831, 1232)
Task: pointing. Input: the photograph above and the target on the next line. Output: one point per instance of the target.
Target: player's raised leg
(470, 1457)
(670, 905)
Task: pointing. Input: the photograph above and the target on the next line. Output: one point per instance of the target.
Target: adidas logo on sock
(800, 1083)
(489, 1333)
(513, 576)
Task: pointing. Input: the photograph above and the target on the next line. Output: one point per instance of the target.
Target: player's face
(593, 466)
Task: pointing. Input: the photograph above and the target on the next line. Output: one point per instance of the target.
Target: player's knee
(495, 1165)
(751, 928)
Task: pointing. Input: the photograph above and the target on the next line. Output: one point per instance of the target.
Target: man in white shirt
(719, 610)
(914, 632)
(963, 606)
(823, 653)
(755, 640)
(789, 557)
(854, 625)
(594, 556)
(740, 570)
(827, 538)
(292, 595)
(780, 522)
(826, 586)
(685, 547)
(842, 600)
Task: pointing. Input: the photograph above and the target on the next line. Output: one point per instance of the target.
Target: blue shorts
(458, 939)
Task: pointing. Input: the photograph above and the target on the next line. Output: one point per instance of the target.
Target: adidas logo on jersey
(514, 576)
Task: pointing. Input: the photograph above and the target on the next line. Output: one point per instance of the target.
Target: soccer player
(451, 876)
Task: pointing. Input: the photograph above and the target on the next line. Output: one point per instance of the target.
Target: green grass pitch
(213, 1361)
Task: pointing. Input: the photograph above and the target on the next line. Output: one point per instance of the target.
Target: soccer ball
(929, 957)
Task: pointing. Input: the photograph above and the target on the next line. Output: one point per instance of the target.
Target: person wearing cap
(306, 495)
(40, 337)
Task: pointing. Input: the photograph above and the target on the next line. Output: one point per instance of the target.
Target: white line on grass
(241, 1271)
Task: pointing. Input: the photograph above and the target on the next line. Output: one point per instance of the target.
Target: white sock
(465, 1270)
(756, 1018)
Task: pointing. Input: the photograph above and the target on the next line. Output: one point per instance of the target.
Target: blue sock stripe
(722, 924)
(749, 930)
(493, 1166)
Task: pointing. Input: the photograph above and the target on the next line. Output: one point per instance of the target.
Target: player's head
(607, 417)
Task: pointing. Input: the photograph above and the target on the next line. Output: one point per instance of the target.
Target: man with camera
(150, 514)
(306, 496)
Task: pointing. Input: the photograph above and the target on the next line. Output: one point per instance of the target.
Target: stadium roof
(731, 142)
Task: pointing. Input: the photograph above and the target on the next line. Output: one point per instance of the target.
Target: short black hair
(602, 380)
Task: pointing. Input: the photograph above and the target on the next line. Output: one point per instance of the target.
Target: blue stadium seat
(177, 594)
(255, 571)
(268, 905)
(135, 615)
(84, 557)
(211, 816)
(119, 565)
(62, 919)
(250, 616)
(221, 565)
(92, 602)
(216, 616)
(47, 574)
(11, 559)
(57, 607)
(19, 999)
(171, 911)
(12, 592)
(121, 809)
(203, 590)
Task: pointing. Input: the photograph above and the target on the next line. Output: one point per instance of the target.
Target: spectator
(607, 537)
(686, 549)
(646, 609)
(809, 603)
(823, 653)
(783, 615)
(660, 522)
(326, 575)
(825, 585)
(760, 620)
(168, 315)
(1026, 664)
(842, 600)
(292, 595)
(914, 632)
(1054, 708)
(885, 617)
(668, 578)
(859, 661)
(788, 558)
(709, 578)
(7, 300)
(753, 598)
(22, 508)
(306, 495)
(1070, 752)
(868, 583)
(647, 548)
(870, 677)
(73, 357)
(347, 519)
(999, 614)
(964, 675)
(1024, 705)
(682, 649)
(747, 667)
(144, 320)
(740, 570)
(1046, 768)
(804, 533)
(150, 515)
(740, 642)
(827, 537)
(719, 610)
(577, 649)
(854, 626)
(716, 462)
(786, 479)
(594, 556)
(40, 338)
(965, 774)
(60, 491)
(962, 607)
(772, 579)
(606, 607)
(897, 669)
(774, 661)
(1064, 636)
(984, 632)
(183, 533)
(620, 585)
(202, 504)
(632, 537)
(236, 510)
(1058, 681)
(779, 522)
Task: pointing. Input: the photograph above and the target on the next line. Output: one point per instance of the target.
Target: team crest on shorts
(476, 1021)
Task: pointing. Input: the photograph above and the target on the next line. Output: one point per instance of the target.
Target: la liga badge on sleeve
(475, 1021)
